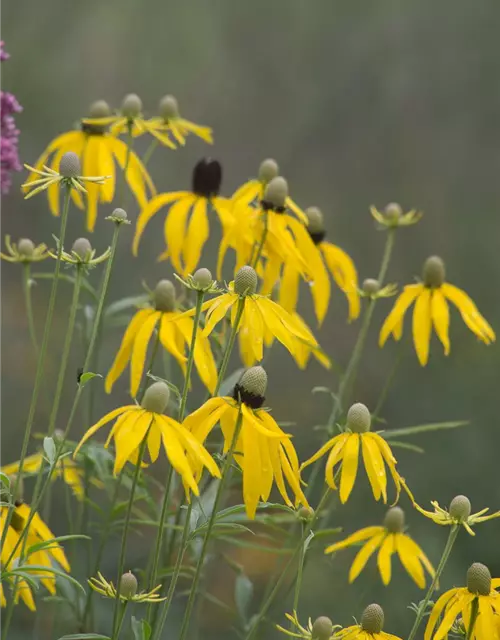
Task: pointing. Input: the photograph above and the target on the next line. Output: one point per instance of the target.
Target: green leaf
(62, 276)
(229, 382)
(86, 377)
(49, 446)
(85, 636)
(407, 445)
(243, 594)
(56, 572)
(140, 628)
(5, 480)
(132, 302)
(53, 542)
(423, 428)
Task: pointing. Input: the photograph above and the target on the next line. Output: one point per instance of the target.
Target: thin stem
(211, 522)
(300, 573)
(230, 344)
(41, 360)
(260, 247)
(121, 618)
(29, 307)
(121, 561)
(444, 558)
(189, 368)
(473, 618)
(149, 152)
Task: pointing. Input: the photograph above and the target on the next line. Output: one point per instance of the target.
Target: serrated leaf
(243, 594)
(423, 428)
(49, 446)
(140, 628)
(86, 377)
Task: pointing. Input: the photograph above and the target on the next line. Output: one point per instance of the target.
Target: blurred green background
(361, 103)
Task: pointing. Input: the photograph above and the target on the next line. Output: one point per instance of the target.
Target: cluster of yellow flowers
(276, 244)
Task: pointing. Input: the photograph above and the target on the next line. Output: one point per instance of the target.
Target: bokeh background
(361, 103)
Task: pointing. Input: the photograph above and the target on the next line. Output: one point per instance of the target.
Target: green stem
(41, 359)
(121, 618)
(121, 561)
(211, 522)
(257, 619)
(444, 558)
(260, 247)
(230, 344)
(300, 573)
(149, 152)
(189, 368)
(29, 307)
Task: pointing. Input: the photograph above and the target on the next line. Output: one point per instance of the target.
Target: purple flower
(9, 134)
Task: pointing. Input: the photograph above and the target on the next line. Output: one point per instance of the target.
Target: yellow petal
(451, 613)
(395, 317)
(375, 469)
(323, 449)
(152, 207)
(251, 470)
(196, 236)
(354, 538)
(384, 558)
(335, 456)
(469, 312)
(90, 168)
(289, 288)
(139, 351)
(364, 554)
(248, 192)
(345, 275)
(203, 356)
(422, 324)
(154, 441)
(203, 420)
(266, 469)
(168, 336)
(441, 318)
(218, 310)
(409, 553)
(106, 168)
(175, 229)
(31, 464)
(251, 334)
(349, 466)
(128, 440)
(104, 420)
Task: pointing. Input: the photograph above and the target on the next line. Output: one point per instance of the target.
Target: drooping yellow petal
(42, 532)
(123, 355)
(388, 457)
(422, 324)
(323, 449)
(349, 466)
(344, 273)
(154, 441)
(461, 603)
(364, 554)
(152, 207)
(196, 236)
(395, 317)
(409, 553)
(192, 445)
(292, 476)
(256, 421)
(127, 440)
(354, 538)
(31, 464)
(469, 312)
(441, 318)
(104, 420)
(335, 456)
(90, 167)
(203, 356)
(375, 469)
(274, 455)
(203, 420)
(139, 351)
(168, 336)
(251, 334)
(248, 192)
(106, 168)
(175, 229)
(218, 310)
(387, 548)
(251, 471)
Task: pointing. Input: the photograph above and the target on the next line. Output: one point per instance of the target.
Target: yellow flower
(174, 333)
(479, 594)
(393, 216)
(321, 629)
(24, 251)
(263, 451)
(345, 451)
(170, 121)
(184, 241)
(389, 539)
(431, 308)
(261, 320)
(136, 422)
(370, 628)
(98, 151)
(459, 513)
(128, 589)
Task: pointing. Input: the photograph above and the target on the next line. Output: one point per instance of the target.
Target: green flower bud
(394, 520)
(26, 247)
(82, 248)
(393, 211)
(245, 281)
(69, 167)
(254, 381)
(315, 221)
(131, 105)
(268, 170)
(358, 418)
(460, 508)
(322, 628)
(434, 272)
(305, 513)
(128, 585)
(371, 286)
(202, 278)
(276, 192)
(99, 109)
(119, 214)
(164, 296)
(479, 579)
(156, 398)
(169, 107)
(372, 619)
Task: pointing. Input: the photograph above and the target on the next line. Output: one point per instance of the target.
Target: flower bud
(434, 272)
(128, 585)
(358, 418)
(276, 192)
(479, 579)
(315, 221)
(322, 628)
(372, 619)
(393, 211)
(202, 278)
(26, 247)
(254, 381)
(156, 397)
(69, 167)
(371, 286)
(169, 107)
(268, 170)
(394, 520)
(119, 214)
(460, 508)
(164, 296)
(82, 248)
(305, 513)
(99, 109)
(245, 281)
(131, 105)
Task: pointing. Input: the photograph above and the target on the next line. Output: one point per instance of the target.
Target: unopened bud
(128, 585)
(394, 520)
(119, 214)
(372, 619)
(322, 628)
(69, 167)
(479, 579)
(26, 247)
(305, 513)
(82, 248)
(315, 221)
(434, 272)
(276, 192)
(245, 281)
(169, 107)
(393, 211)
(268, 170)
(371, 286)
(203, 278)
(156, 397)
(460, 508)
(131, 105)
(99, 109)
(164, 296)
(358, 418)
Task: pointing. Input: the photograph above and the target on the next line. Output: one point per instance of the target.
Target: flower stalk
(230, 345)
